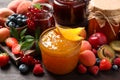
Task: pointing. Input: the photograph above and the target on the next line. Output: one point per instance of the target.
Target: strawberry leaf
(37, 46)
(27, 44)
(37, 5)
(37, 33)
(29, 37)
(23, 32)
(14, 33)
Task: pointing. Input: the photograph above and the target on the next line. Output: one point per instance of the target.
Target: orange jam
(59, 55)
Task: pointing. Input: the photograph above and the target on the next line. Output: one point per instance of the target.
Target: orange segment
(73, 34)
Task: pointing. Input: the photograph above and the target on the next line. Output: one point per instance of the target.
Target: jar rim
(68, 50)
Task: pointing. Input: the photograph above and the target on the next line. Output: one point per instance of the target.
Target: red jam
(46, 22)
(40, 18)
(69, 12)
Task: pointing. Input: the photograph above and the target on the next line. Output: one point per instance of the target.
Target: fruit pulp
(59, 55)
(69, 12)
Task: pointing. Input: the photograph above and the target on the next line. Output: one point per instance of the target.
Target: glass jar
(69, 12)
(60, 56)
(40, 18)
(104, 18)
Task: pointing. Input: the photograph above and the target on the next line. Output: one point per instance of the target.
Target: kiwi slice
(115, 45)
(105, 51)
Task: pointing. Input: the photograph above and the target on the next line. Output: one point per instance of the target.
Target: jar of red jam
(104, 17)
(40, 18)
(69, 12)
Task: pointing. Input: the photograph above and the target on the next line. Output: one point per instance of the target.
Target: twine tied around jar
(101, 18)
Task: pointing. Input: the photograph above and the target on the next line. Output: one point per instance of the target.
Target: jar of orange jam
(59, 55)
(104, 16)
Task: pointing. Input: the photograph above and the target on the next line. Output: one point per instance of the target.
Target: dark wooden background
(12, 73)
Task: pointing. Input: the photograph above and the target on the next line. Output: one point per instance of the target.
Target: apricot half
(105, 51)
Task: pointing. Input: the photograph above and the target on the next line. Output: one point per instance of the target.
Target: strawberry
(38, 70)
(16, 49)
(82, 69)
(94, 70)
(117, 61)
(105, 64)
(4, 59)
(10, 41)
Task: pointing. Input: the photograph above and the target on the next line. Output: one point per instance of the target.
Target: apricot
(4, 34)
(23, 7)
(85, 45)
(87, 58)
(14, 4)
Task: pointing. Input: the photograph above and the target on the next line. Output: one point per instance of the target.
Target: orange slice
(73, 34)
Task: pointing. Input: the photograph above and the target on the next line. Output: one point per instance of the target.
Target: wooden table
(12, 73)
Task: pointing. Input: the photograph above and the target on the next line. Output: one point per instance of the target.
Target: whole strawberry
(105, 64)
(4, 59)
(38, 70)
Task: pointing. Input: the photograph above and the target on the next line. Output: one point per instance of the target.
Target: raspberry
(27, 59)
(94, 70)
(116, 61)
(82, 69)
(38, 70)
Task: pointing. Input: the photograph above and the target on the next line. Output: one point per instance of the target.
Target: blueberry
(11, 24)
(23, 68)
(15, 15)
(24, 21)
(115, 67)
(19, 16)
(12, 18)
(17, 26)
(23, 17)
(7, 21)
(19, 21)
(98, 61)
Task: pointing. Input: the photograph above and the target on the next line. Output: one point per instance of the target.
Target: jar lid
(106, 4)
